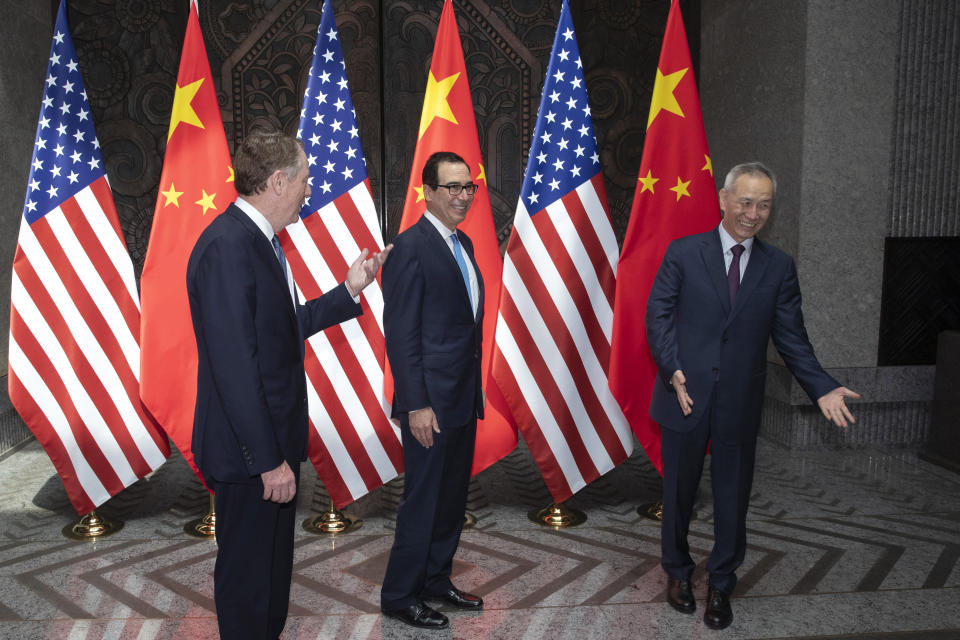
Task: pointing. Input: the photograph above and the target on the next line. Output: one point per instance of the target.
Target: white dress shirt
(727, 242)
(447, 233)
(264, 225)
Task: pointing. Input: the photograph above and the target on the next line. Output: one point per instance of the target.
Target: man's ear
(276, 182)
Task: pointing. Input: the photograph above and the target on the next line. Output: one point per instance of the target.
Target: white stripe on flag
(537, 403)
(550, 353)
(34, 385)
(53, 349)
(82, 334)
(600, 221)
(352, 405)
(565, 305)
(339, 455)
(581, 261)
(95, 286)
(112, 244)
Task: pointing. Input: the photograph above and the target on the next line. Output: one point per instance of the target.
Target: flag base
(557, 516)
(92, 527)
(469, 520)
(205, 527)
(331, 523)
(652, 510)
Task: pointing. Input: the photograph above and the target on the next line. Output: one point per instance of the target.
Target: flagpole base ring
(652, 510)
(205, 527)
(92, 527)
(331, 523)
(558, 516)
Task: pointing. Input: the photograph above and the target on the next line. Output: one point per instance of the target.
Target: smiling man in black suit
(433, 327)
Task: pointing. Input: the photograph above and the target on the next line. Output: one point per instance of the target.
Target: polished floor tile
(842, 544)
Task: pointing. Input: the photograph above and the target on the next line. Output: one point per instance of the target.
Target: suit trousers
(430, 517)
(251, 579)
(731, 476)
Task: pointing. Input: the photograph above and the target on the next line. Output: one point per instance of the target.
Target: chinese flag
(675, 197)
(195, 185)
(447, 124)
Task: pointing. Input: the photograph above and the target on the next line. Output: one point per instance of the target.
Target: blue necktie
(280, 257)
(458, 254)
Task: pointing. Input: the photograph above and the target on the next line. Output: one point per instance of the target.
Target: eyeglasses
(455, 188)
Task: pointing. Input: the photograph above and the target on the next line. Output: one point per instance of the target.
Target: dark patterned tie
(733, 275)
(280, 257)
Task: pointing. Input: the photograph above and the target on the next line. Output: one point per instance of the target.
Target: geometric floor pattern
(858, 544)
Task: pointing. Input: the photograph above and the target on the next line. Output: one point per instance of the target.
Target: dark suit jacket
(433, 341)
(251, 411)
(691, 327)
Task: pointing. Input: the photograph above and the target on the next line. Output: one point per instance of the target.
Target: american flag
(353, 444)
(556, 304)
(74, 356)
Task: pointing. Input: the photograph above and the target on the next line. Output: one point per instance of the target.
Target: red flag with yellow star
(675, 196)
(195, 185)
(447, 124)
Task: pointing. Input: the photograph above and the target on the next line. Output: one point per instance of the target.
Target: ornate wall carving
(260, 52)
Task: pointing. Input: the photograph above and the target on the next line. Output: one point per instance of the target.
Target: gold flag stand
(92, 527)
(332, 523)
(205, 527)
(652, 510)
(558, 516)
(469, 520)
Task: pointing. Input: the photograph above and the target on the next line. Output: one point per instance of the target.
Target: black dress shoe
(680, 595)
(718, 615)
(419, 615)
(460, 599)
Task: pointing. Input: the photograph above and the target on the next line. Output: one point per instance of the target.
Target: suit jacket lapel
(439, 246)
(712, 253)
(265, 247)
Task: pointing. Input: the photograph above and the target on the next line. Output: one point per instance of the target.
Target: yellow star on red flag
(435, 104)
(663, 98)
(183, 109)
(648, 181)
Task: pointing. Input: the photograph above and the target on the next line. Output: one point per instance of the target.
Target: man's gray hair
(751, 168)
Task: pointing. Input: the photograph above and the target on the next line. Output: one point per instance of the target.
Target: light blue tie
(458, 254)
(280, 257)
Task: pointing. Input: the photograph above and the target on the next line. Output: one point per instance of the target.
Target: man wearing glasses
(432, 321)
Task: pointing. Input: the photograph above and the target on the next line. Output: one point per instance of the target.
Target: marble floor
(858, 544)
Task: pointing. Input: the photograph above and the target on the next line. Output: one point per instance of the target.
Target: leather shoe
(718, 615)
(460, 599)
(680, 595)
(420, 615)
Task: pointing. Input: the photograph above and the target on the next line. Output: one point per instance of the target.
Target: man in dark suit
(250, 422)
(717, 299)
(432, 323)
